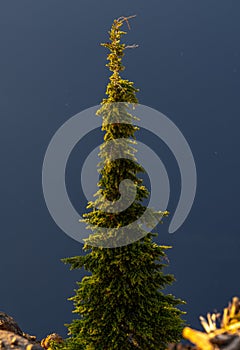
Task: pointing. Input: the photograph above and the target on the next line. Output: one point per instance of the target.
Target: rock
(12, 337)
(7, 323)
(46, 342)
(10, 341)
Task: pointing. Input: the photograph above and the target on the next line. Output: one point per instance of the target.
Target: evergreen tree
(121, 305)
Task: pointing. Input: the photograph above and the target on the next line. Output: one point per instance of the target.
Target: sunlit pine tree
(121, 305)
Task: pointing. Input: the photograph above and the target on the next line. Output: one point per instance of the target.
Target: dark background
(52, 67)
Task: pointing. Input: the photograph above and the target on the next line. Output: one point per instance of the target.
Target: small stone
(45, 343)
(14, 341)
(33, 347)
(7, 323)
(29, 347)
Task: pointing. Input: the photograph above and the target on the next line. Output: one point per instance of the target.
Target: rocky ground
(10, 340)
(13, 338)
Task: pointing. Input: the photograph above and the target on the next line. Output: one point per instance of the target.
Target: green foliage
(69, 343)
(121, 305)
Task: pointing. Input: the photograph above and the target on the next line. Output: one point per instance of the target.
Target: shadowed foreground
(226, 336)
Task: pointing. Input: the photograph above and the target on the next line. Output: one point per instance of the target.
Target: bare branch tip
(123, 18)
(134, 46)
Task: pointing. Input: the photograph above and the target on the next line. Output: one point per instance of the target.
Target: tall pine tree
(121, 305)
